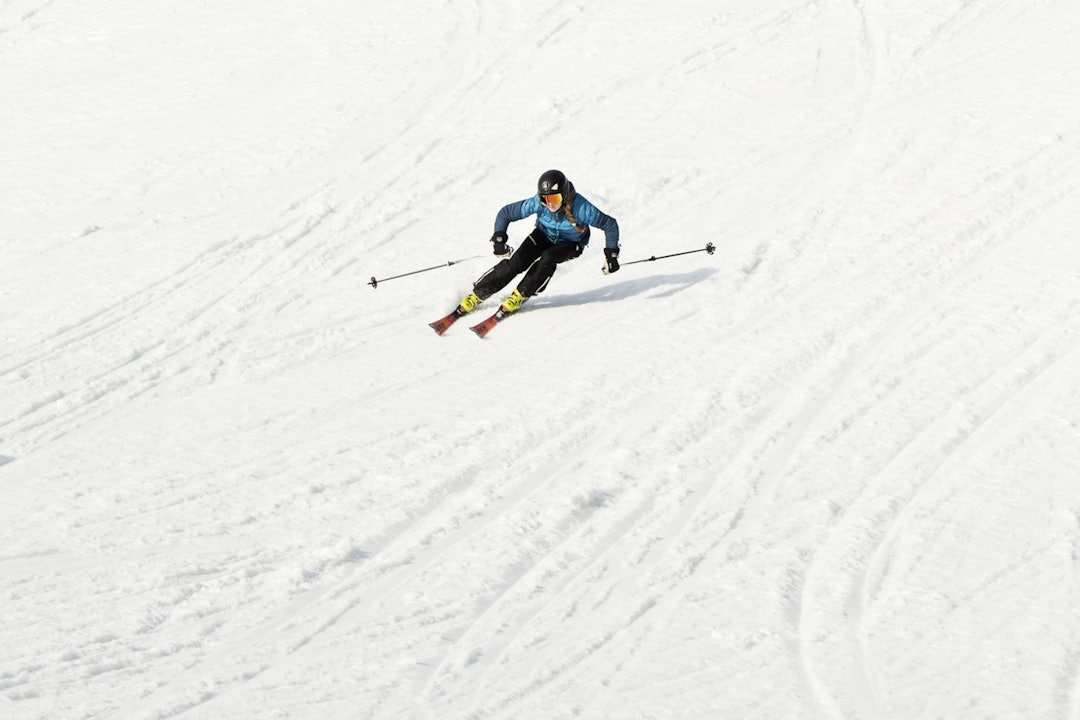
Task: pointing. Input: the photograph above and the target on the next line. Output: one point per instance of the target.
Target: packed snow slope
(831, 471)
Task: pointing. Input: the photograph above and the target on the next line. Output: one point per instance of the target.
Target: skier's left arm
(590, 215)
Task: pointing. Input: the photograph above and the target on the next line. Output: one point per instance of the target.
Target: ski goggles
(552, 201)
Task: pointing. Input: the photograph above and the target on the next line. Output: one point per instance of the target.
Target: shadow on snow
(667, 286)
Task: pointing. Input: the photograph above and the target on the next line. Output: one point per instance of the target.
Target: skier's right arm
(516, 211)
(508, 214)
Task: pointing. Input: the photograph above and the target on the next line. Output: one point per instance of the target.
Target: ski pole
(375, 283)
(709, 248)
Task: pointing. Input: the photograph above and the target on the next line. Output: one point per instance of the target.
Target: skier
(563, 220)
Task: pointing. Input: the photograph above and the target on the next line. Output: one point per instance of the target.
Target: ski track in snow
(828, 472)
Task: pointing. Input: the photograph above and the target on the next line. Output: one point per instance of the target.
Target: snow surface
(830, 471)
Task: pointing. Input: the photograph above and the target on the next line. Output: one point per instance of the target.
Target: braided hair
(567, 206)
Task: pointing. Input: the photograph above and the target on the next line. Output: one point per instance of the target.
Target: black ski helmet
(551, 182)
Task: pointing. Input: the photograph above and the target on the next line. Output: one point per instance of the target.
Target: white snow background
(831, 471)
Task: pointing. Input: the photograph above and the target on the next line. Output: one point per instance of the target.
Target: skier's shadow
(666, 286)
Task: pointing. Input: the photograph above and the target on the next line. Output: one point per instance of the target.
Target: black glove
(611, 258)
(499, 246)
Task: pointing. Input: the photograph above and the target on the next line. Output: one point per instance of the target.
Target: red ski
(483, 328)
(442, 325)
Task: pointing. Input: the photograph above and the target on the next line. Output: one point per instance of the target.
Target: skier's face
(552, 202)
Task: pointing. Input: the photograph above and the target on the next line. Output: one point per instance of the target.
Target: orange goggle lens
(552, 200)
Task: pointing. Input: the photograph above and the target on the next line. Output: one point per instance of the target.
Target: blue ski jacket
(556, 225)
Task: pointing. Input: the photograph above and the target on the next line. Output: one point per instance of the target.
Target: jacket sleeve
(516, 211)
(590, 215)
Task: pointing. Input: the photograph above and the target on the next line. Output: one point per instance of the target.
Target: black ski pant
(537, 258)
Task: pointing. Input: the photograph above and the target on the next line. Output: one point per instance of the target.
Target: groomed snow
(831, 471)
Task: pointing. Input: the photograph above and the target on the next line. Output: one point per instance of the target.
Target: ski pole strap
(374, 283)
(709, 248)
